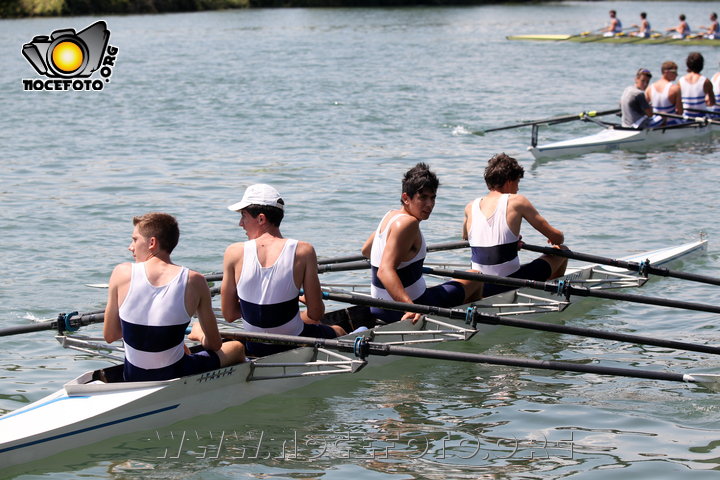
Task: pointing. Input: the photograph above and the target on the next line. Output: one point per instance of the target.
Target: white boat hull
(613, 139)
(88, 409)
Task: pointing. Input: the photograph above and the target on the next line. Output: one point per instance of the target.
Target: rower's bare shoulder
(304, 249)
(234, 250)
(121, 272)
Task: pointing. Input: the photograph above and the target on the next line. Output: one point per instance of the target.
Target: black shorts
(538, 270)
(446, 295)
(257, 349)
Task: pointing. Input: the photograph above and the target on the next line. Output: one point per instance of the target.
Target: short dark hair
(274, 215)
(500, 169)
(162, 226)
(695, 62)
(643, 15)
(419, 178)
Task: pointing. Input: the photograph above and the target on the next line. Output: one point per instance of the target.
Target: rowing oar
(362, 348)
(706, 112)
(687, 119)
(431, 248)
(354, 262)
(65, 322)
(643, 268)
(551, 121)
(472, 316)
(565, 288)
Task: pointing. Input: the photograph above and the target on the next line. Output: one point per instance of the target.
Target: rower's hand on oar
(413, 317)
(556, 239)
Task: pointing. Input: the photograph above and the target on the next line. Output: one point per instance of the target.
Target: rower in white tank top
(660, 102)
(493, 244)
(268, 295)
(154, 320)
(693, 96)
(410, 272)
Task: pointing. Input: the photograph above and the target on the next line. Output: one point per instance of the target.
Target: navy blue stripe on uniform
(269, 316)
(409, 274)
(494, 255)
(153, 338)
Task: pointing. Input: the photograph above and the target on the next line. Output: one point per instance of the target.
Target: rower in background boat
(643, 29)
(262, 277)
(636, 111)
(712, 31)
(151, 302)
(397, 253)
(682, 29)
(664, 96)
(696, 90)
(614, 26)
(492, 226)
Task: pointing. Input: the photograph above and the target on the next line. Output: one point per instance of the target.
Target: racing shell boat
(98, 405)
(614, 137)
(654, 39)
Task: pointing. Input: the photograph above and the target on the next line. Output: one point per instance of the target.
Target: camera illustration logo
(68, 57)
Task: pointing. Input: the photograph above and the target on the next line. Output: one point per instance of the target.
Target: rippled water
(332, 106)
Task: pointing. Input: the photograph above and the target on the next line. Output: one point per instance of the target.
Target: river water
(332, 106)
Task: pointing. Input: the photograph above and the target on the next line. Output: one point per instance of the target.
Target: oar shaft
(634, 266)
(74, 321)
(344, 267)
(554, 120)
(36, 327)
(474, 316)
(593, 333)
(568, 289)
(381, 349)
(431, 248)
(364, 300)
(688, 119)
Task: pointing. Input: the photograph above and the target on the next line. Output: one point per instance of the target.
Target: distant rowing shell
(624, 139)
(655, 40)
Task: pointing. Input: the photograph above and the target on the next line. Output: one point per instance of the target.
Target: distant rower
(682, 29)
(712, 31)
(614, 26)
(644, 28)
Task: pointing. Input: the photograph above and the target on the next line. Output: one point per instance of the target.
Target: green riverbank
(30, 8)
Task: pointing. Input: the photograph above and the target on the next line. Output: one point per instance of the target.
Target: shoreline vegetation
(48, 8)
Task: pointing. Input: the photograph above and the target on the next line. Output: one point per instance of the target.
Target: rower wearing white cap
(262, 277)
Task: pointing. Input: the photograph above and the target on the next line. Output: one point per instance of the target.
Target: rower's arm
(467, 222)
(538, 222)
(367, 247)
(210, 338)
(310, 284)
(710, 99)
(400, 240)
(112, 330)
(229, 301)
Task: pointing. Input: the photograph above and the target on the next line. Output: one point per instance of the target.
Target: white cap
(259, 194)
